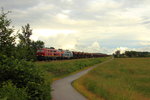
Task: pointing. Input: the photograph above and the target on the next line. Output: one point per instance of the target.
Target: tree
(35, 45)
(26, 46)
(117, 54)
(25, 36)
(52, 48)
(7, 39)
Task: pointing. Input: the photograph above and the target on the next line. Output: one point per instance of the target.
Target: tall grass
(120, 79)
(61, 68)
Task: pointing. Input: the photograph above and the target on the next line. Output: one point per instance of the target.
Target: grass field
(57, 69)
(120, 79)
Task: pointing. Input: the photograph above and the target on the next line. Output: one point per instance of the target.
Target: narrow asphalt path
(63, 90)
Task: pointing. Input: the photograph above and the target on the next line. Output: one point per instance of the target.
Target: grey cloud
(144, 49)
(132, 3)
(18, 4)
(78, 11)
(146, 22)
(101, 25)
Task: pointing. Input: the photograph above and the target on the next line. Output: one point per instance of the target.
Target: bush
(25, 74)
(10, 92)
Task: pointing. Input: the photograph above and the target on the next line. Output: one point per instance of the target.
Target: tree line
(130, 54)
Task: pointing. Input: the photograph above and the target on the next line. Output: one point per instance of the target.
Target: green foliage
(26, 47)
(10, 92)
(19, 79)
(131, 54)
(24, 75)
(25, 36)
(7, 40)
(35, 45)
(137, 54)
(117, 54)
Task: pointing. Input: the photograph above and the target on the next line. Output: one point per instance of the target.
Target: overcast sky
(85, 25)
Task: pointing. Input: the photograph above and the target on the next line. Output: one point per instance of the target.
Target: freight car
(53, 54)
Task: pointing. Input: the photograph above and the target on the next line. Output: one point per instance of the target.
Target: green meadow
(58, 69)
(119, 79)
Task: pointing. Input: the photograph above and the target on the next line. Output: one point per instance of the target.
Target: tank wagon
(53, 54)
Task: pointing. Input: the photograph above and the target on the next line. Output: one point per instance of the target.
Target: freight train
(56, 54)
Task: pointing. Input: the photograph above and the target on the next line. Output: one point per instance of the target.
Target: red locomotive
(48, 54)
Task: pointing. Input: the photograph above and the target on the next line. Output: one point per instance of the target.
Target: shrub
(25, 75)
(9, 92)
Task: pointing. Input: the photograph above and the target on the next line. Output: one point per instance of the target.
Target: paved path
(63, 90)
